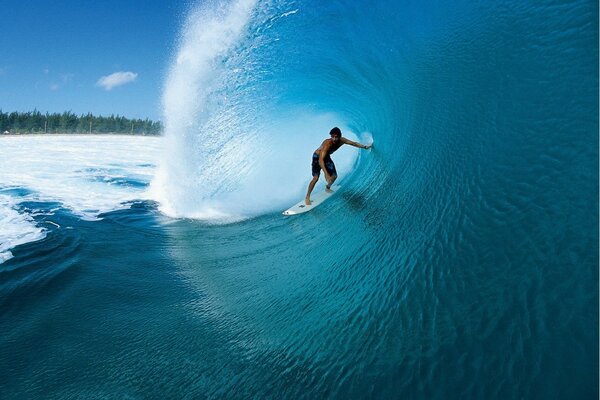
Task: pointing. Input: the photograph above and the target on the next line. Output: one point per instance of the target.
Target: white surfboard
(317, 198)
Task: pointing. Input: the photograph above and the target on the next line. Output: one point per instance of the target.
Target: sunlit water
(459, 259)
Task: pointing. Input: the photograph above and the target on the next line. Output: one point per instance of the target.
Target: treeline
(68, 122)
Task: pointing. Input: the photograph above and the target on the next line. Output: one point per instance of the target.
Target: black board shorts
(329, 165)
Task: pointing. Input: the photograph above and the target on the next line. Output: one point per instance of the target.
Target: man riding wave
(321, 160)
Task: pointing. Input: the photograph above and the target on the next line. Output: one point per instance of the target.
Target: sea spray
(191, 94)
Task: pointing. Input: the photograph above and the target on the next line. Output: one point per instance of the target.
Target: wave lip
(194, 95)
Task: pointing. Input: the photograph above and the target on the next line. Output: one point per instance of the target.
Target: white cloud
(54, 87)
(116, 79)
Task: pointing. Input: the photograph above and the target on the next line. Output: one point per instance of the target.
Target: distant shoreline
(34, 122)
(79, 134)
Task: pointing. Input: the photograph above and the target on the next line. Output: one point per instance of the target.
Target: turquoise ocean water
(459, 259)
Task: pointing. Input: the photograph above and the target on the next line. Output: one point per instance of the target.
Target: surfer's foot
(328, 189)
(307, 201)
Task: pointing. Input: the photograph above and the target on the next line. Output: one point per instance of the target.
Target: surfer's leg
(316, 171)
(328, 187)
(311, 186)
(332, 173)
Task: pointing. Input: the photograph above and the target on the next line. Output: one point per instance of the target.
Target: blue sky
(55, 55)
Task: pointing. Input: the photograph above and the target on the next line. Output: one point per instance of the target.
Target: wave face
(440, 266)
(238, 145)
(459, 259)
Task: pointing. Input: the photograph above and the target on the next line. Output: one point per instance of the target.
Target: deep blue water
(459, 259)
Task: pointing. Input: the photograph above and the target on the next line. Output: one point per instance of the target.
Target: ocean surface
(458, 259)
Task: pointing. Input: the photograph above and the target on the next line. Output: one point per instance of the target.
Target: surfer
(321, 160)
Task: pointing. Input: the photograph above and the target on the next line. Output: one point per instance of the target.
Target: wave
(235, 147)
(459, 256)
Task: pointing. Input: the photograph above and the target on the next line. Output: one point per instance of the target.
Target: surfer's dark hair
(335, 131)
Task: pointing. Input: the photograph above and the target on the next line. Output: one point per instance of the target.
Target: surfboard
(317, 198)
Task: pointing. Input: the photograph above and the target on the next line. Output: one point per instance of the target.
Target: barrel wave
(442, 267)
(459, 258)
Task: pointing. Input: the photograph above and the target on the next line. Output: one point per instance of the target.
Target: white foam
(80, 171)
(15, 228)
(86, 174)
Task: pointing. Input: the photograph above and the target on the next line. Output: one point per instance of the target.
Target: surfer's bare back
(321, 160)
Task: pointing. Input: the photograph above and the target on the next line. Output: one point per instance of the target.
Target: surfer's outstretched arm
(359, 145)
